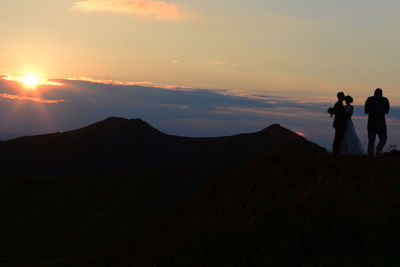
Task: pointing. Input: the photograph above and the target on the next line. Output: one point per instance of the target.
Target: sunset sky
(303, 51)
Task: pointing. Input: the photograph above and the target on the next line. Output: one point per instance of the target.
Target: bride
(350, 143)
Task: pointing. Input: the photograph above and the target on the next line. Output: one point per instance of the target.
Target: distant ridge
(116, 143)
(107, 128)
(114, 124)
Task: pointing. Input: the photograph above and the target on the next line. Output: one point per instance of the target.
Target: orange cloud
(156, 9)
(218, 63)
(34, 99)
(144, 84)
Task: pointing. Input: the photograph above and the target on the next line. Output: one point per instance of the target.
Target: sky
(295, 54)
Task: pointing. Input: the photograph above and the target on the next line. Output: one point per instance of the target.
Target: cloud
(29, 98)
(222, 63)
(156, 9)
(173, 106)
(218, 63)
(144, 84)
(281, 111)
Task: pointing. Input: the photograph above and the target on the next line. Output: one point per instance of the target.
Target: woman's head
(348, 99)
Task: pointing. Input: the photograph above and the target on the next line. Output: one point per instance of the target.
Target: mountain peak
(117, 124)
(277, 129)
(287, 140)
(274, 126)
(115, 121)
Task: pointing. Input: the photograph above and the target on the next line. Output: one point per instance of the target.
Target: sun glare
(30, 80)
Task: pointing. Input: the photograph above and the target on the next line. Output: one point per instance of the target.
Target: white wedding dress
(350, 143)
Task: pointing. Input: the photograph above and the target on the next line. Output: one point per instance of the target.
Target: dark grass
(282, 210)
(278, 209)
(48, 220)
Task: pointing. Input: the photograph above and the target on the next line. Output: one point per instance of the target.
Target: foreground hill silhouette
(280, 210)
(68, 197)
(281, 201)
(118, 143)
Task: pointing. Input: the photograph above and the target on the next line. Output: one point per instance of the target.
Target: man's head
(378, 92)
(340, 96)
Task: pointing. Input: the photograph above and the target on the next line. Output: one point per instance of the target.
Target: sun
(30, 80)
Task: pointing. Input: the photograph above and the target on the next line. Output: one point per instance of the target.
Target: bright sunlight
(30, 80)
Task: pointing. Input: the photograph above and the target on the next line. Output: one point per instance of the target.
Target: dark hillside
(118, 143)
(56, 219)
(281, 210)
(68, 197)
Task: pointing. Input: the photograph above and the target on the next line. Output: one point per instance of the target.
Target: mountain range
(118, 143)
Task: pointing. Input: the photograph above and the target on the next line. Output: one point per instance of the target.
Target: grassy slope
(282, 210)
(56, 219)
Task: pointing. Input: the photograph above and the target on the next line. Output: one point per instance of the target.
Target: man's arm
(387, 106)
(339, 111)
(366, 106)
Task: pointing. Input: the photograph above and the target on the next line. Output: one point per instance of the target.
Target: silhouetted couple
(346, 139)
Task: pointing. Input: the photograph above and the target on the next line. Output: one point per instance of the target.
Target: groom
(376, 107)
(339, 122)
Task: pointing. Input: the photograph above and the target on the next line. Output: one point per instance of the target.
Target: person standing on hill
(350, 143)
(339, 123)
(376, 107)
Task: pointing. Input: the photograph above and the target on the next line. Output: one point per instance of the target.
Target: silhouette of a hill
(274, 199)
(95, 191)
(118, 143)
(280, 210)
